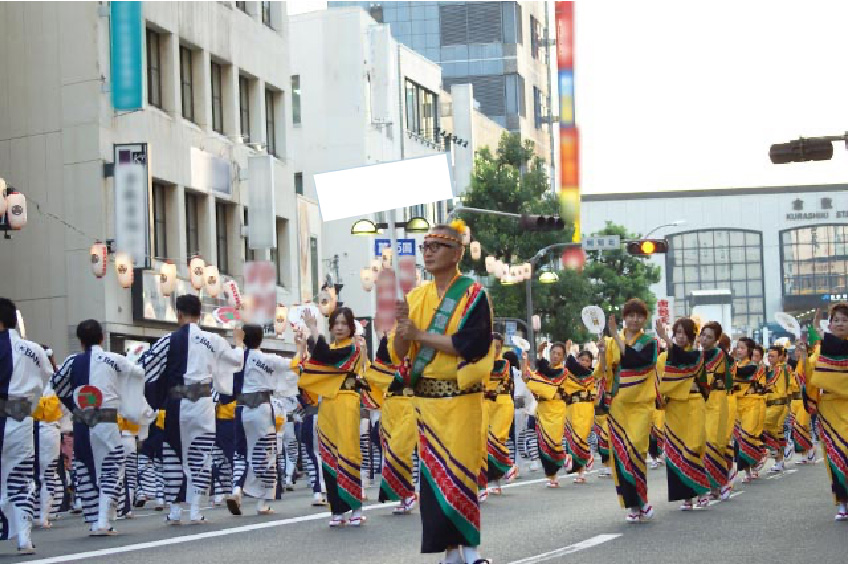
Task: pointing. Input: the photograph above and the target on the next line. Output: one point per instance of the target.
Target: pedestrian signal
(647, 247)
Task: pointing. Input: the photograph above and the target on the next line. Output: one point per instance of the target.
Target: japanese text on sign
(405, 247)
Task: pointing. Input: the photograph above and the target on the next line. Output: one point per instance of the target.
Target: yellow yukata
(449, 408)
(547, 384)
(827, 387)
(501, 411)
(717, 427)
(777, 406)
(579, 393)
(331, 373)
(802, 437)
(750, 404)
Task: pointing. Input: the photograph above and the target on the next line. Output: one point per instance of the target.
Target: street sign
(405, 247)
(602, 243)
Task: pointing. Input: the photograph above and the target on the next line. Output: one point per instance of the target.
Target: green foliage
(514, 180)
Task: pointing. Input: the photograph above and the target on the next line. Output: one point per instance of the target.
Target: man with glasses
(444, 328)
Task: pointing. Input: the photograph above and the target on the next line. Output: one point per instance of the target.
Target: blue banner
(406, 247)
(126, 38)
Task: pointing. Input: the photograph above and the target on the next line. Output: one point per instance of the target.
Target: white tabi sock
(470, 554)
(195, 511)
(176, 512)
(453, 556)
(261, 504)
(46, 503)
(24, 522)
(103, 507)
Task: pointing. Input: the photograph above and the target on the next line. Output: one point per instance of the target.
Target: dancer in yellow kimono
(501, 413)
(445, 328)
(802, 436)
(601, 427)
(332, 372)
(547, 384)
(580, 397)
(751, 379)
(732, 416)
(777, 404)
(716, 425)
(828, 394)
(633, 386)
(684, 389)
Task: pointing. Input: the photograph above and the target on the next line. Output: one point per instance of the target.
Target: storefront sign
(132, 191)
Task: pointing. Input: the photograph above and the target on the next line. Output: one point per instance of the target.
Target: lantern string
(57, 218)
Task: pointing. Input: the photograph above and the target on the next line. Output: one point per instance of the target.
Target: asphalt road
(785, 518)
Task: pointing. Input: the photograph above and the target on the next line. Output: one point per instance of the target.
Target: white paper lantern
(515, 271)
(387, 258)
(466, 235)
(528, 270)
(212, 280)
(167, 278)
(490, 264)
(476, 251)
(16, 210)
(2, 196)
(196, 270)
(504, 270)
(326, 303)
(376, 265)
(537, 323)
(280, 317)
(99, 255)
(124, 268)
(366, 275)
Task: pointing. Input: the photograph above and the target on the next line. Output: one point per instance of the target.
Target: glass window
(295, 89)
(422, 110)
(814, 260)
(266, 13)
(270, 123)
(241, 6)
(154, 69)
(222, 215)
(298, 183)
(160, 221)
(217, 98)
(244, 107)
(192, 226)
(186, 83)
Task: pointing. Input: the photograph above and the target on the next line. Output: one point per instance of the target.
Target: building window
(295, 88)
(248, 252)
(515, 94)
(537, 108)
(535, 36)
(266, 13)
(242, 6)
(192, 219)
(244, 107)
(313, 262)
(298, 183)
(421, 111)
(270, 123)
(222, 217)
(814, 263)
(217, 98)
(160, 221)
(186, 83)
(718, 259)
(154, 69)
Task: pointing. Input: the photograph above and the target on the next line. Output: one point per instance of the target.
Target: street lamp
(548, 277)
(365, 226)
(674, 223)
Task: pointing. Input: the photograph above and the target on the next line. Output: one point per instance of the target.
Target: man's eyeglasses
(433, 246)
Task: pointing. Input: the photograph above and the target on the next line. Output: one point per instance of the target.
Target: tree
(514, 180)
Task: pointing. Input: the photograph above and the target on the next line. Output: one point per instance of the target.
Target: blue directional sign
(406, 247)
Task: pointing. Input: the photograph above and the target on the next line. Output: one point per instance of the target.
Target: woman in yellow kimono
(580, 397)
(777, 404)
(750, 402)
(828, 394)
(732, 416)
(684, 389)
(601, 427)
(633, 394)
(716, 425)
(547, 384)
(802, 437)
(501, 413)
(333, 373)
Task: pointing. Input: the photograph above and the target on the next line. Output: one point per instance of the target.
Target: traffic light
(647, 247)
(801, 150)
(541, 222)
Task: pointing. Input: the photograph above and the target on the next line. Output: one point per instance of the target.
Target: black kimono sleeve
(631, 358)
(322, 352)
(573, 365)
(472, 342)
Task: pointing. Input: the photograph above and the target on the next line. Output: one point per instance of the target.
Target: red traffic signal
(801, 150)
(647, 247)
(541, 223)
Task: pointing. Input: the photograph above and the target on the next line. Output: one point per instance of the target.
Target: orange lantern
(196, 271)
(99, 255)
(168, 278)
(16, 210)
(124, 268)
(212, 280)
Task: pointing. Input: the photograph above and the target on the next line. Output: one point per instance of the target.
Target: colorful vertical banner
(126, 39)
(569, 141)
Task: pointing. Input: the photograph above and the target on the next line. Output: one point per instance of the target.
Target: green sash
(439, 324)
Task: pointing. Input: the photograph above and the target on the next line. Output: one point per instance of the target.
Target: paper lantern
(504, 270)
(387, 258)
(124, 268)
(476, 251)
(466, 235)
(537, 323)
(376, 265)
(196, 271)
(326, 304)
(490, 264)
(2, 196)
(149, 312)
(280, 317)
(209, 320)
(99, 255)
(528, 270)
(212, 280)
(233, 294)
(16, 210)
(167, 278)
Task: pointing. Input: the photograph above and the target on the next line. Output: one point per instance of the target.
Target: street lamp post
(658, 227)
